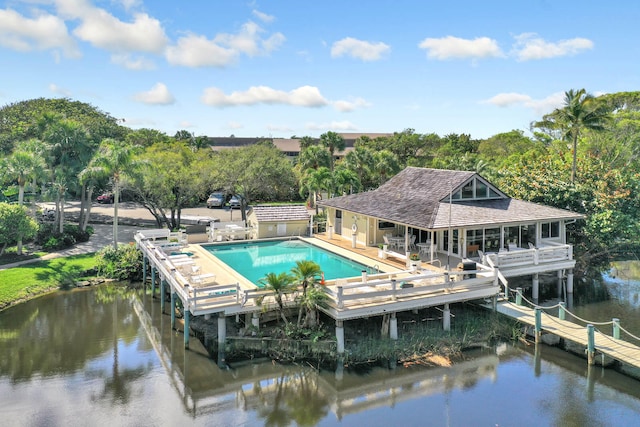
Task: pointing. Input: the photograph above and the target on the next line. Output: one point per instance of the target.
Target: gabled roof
(419, 197)
(281, 213)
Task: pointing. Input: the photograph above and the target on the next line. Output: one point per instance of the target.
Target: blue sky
(283, 68)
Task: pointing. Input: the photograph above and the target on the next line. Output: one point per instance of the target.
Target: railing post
(536, 256)
(538, 312)
(393, 289)
(195, 298)
(616, 328)
(237, 293)
(562, 309)
(518, 296)
(364, 276)
(340, 293)
(591, 344)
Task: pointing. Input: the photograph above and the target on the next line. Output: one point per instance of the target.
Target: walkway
(615, 348)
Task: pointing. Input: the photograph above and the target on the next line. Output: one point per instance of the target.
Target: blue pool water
(254, 260)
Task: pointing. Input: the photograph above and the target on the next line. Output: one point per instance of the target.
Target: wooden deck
(617, 349)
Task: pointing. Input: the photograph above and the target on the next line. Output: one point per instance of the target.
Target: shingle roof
(281, 213)
(418, 197)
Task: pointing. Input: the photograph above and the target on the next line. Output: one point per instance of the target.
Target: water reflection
(79, 355)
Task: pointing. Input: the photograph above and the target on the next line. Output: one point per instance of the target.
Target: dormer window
(476, 189)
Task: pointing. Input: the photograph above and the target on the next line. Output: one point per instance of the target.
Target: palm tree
(281, 284)
(316, 180)
(333, 142)
(385, 165)
(579, 112)
(23, 165)
(305, 272)
(310, 303)
(114, 159)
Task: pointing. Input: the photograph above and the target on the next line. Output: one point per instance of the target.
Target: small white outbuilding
(279, 221)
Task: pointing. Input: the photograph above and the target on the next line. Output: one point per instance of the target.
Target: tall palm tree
(316, 180)
(385, 165)
(579, 112)
(333, 142)
(281, 284)
(115, 159)
(305, 272)
(22, 165)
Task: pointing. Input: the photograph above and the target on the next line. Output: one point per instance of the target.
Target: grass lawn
(24, 282)
(10, 256)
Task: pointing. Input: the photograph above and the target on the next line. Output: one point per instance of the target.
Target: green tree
(385, 165)
(332, 142)
(316, 180)
(23, 165)
(15, 224)
(281, 284)
(578, 113)
(115, 159)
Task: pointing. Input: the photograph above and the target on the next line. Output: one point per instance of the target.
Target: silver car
(215, 200)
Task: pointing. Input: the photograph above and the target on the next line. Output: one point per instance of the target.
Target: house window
(385, 225)
(475, 189)
(467, 191)
(550, 230)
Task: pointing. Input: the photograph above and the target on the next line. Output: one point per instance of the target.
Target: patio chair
(389, 244)
(412, 242)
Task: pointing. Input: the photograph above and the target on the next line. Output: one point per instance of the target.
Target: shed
(279, 221)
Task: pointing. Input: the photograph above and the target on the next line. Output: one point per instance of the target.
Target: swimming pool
(255, 259)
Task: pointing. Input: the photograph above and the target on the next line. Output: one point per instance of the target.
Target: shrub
(50, 238)
(124, 263)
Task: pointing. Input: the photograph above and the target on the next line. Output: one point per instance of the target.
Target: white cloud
(234, 125)
(132, 63)
(540, 106)
(263, 16)
(158, 95)
(456, 48)
(304, 96)
(529, 46)
(43, 32)
(508, 99)
(360, 49)
(347, 106)
(335, 126)
(199, 51)
(279, 128)
(130, 4)
(60, 90)
(184, 124)
(144, 34)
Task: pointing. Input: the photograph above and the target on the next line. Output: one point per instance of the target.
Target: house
(455, 216)
(279, 221)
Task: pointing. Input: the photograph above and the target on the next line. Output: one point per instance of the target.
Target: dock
(584, 333)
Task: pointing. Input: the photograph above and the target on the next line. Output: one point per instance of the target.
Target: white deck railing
(522, 257)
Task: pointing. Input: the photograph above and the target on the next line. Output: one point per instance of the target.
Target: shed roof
(281, 213)
(418, 197)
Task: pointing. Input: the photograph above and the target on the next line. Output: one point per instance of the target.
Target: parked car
(235, 201)
(215, 200)
(105, 198)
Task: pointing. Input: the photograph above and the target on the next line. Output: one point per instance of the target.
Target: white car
(215, 200)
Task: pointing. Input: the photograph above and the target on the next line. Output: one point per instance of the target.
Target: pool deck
(394, 288)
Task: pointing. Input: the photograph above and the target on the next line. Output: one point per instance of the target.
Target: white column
(222, 329)
(340, 336)
(255, 321)
(570, 281)
(535, 292)
(446, 318)
(393, 327)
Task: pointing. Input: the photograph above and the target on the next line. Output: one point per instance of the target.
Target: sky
(277, 68)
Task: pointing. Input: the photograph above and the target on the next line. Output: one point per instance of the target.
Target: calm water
(256, 260)
(103, 357)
